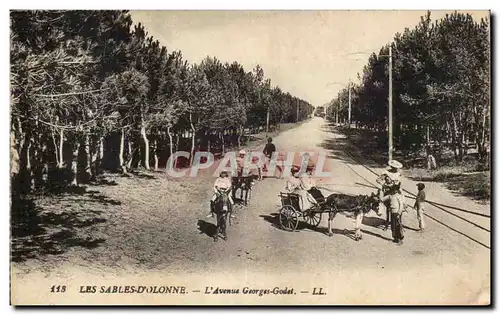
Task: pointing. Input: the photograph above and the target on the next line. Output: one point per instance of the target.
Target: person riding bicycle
(223, 182)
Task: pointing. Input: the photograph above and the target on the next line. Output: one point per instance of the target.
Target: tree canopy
(92, 90)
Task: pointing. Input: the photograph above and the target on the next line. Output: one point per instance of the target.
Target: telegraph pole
(390, 102)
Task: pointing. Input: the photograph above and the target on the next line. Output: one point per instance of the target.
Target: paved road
(438, 266)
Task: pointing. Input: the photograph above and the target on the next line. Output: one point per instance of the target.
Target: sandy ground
(152, 230)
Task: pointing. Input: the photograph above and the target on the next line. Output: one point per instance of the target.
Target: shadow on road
(373, 222)
(273, 218)
(376, 235)
(207, 228)
(37, 233)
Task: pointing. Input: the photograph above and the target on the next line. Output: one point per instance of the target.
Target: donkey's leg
(331, 216)
(357, 227)
(217, 227)
(223, 225)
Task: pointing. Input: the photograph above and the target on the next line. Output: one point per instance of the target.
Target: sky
(303, 52)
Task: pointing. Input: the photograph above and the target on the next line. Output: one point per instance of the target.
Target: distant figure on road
(431, 161)
(419, 206)
(268, 151)
(270, 148)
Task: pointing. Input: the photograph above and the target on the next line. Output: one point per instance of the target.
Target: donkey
(357, 205)
(222, 210)
(245, 185)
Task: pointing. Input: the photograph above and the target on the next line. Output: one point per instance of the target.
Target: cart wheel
(312, 218)
(289, 218)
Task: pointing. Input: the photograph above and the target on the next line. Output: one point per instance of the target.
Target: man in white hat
(240, 162)
(391, 183)
(391, 178)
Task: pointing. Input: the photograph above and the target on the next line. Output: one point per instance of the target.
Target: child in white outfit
(222, 182)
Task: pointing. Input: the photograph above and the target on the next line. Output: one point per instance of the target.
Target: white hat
(395, 164)
(242, 151)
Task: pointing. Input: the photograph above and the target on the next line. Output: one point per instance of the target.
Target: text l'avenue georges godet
(155, 289)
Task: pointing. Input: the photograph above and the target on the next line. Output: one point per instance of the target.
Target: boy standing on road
(419, 206)
(397, 207)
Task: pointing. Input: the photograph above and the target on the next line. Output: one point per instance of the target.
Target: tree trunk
(56, 149)
(100, 163)
(428, 135)
(94, 159)
(14, 155)
(74, 162)
(123, 166)
(61, 146)
(146, 146)
(240, 134)
(481, 143)
(155, 152)
(193, 135)
(222, 143)
(171, 141)
(177, 139)
(45, 166)
(131, 152)
(455, 139)
(88, 157)
(29, 170)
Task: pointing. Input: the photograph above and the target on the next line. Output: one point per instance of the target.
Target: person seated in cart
(308, 183)
(304, 186)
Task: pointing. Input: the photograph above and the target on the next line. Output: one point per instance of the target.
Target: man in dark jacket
(269, 149)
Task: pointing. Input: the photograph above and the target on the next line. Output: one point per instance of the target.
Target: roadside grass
(476, 185)
(470, 178)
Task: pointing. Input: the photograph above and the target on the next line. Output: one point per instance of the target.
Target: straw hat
(395, 164)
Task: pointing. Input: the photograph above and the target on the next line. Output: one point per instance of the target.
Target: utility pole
(390, 102)
(349, 114)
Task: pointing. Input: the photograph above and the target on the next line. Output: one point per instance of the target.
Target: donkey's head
(222, 201)
(373, 203)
